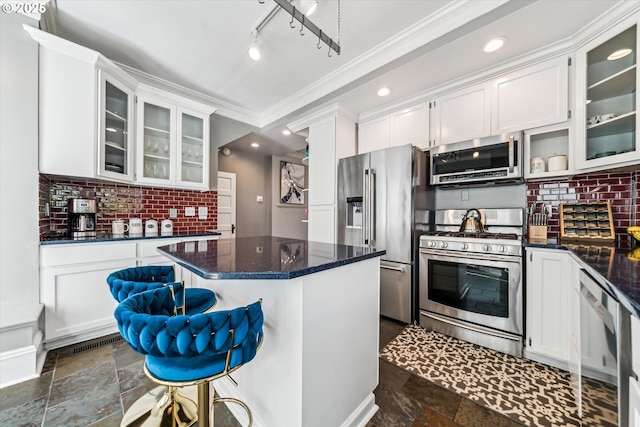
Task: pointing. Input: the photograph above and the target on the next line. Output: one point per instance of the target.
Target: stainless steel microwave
(490, 160)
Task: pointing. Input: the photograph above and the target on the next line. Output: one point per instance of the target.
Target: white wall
(286, 221)
(19, 239)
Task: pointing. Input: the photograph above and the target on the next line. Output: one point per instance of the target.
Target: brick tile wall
(123, 201)
(620, 189)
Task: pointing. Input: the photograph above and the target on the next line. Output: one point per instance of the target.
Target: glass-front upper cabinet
(606, 81)
(193, 130)
(156, 142)
(115, 128)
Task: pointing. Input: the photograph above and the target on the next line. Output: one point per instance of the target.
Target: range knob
(432, 244)
(464, 246)
(443, 245)
(502, 248)
(486, 248)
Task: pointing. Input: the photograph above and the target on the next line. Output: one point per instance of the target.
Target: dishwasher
(605, 363)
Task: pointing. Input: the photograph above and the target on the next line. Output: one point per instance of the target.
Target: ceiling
(408, 45)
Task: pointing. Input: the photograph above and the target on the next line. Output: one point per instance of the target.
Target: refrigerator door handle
(365, 206)
(372, 206)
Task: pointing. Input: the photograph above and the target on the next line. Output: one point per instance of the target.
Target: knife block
(537, 233)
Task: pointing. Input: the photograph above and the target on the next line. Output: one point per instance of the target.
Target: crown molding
(63, 46)
(221, 107)
(450, 17)
(567, 46)
(319, 114)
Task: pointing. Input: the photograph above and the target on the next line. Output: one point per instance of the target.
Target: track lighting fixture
(254, 51)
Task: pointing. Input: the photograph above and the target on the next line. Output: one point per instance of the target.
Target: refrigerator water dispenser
(354, 212)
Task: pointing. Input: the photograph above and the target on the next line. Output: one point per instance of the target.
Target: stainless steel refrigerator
(384, 201)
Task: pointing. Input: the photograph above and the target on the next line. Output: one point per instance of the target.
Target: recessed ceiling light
(619, 54)
(255, 145)
(286, 132)
(384, 91)
(494, 44)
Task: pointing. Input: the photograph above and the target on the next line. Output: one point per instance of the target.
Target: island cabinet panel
(548, 284)
(534, 96)
(74, 290)
(318, 364)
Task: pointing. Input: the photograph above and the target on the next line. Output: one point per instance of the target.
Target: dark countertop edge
(629, 303)
(274, 275)
(126, 238)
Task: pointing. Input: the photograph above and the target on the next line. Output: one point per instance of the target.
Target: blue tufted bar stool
(129, 281)
(187, 350)
(152, 407)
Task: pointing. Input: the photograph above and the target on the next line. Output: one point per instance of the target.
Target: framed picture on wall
(292, 184)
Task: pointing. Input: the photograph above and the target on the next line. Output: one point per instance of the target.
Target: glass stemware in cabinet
(157, 141)
(611, 97)
(115, 132)
(192, 140)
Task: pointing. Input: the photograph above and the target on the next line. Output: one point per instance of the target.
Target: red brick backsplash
(123, 201)
(619, 189)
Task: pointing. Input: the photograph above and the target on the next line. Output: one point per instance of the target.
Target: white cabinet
(606, 119)
(373, 135)
(74, 290)
(461, 115)
(173, 144)
(534, 96)
(80, 135)
(407, 126)
(548, 284)
(410, 126)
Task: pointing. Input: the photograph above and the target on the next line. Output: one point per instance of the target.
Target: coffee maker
(82, 217)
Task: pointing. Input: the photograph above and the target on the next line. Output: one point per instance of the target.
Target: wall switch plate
(259, 199)
(202, 212)
(173, 213)
(190, 211)
(464, 195)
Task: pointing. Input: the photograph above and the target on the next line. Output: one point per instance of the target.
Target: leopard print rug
(528, 392)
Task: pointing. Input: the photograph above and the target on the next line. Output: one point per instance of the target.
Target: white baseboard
(363, 413)
(22, 364)
(359, 418)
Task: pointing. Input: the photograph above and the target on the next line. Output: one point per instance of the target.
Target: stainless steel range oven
(471, 283)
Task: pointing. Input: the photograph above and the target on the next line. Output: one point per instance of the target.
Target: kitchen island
(318, 364)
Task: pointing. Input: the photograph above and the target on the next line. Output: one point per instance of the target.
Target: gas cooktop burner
(474, 235)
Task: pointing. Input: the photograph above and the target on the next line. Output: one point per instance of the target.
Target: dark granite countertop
(108, 237)
(612, 266)
(264, 257)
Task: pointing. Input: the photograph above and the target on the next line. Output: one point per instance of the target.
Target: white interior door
(227, 204)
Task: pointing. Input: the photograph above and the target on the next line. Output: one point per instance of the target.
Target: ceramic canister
(537, 165)
(151, 227)
(557, 162)
(135, 226)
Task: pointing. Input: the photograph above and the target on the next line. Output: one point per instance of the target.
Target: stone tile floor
(95, 388)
